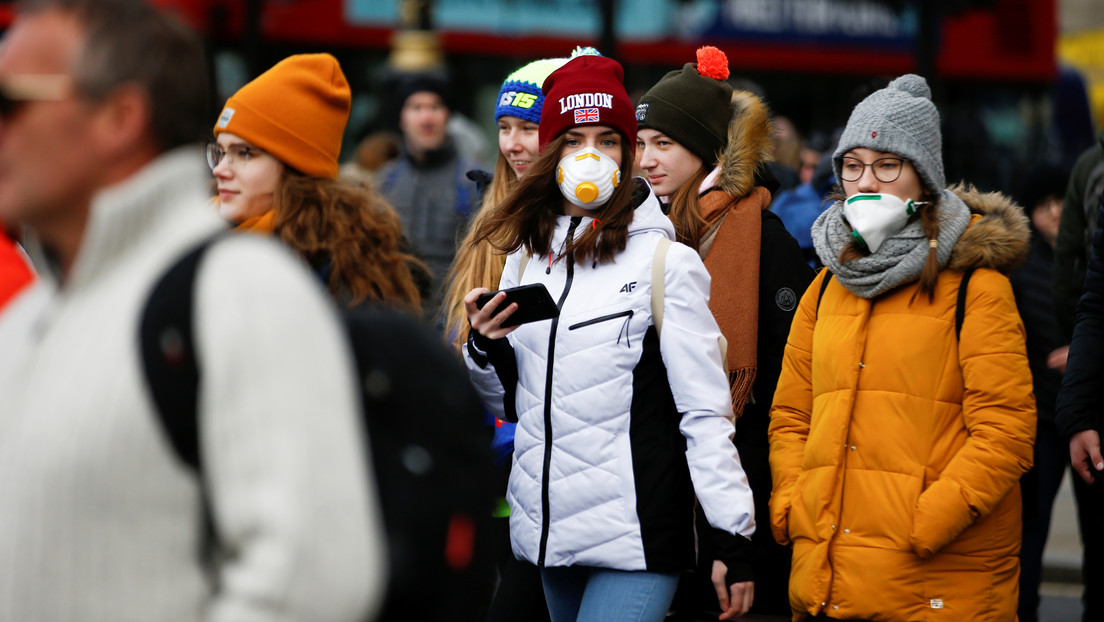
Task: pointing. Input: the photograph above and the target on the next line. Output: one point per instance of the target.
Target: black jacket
(1082, 391)
(1031, 283)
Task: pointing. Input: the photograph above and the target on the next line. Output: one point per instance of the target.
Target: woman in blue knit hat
(904, 414)
(517, 112)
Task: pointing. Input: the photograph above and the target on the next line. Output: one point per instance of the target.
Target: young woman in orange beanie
(274, 159)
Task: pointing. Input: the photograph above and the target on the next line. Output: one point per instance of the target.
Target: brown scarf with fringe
(730, 250)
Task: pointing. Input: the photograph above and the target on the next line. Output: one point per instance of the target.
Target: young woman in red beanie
(275, 162)
(621, 399)
(702, 148)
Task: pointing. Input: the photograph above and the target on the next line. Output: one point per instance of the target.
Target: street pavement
(1060, 594)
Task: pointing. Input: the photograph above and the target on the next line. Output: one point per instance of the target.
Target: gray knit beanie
(900, 119)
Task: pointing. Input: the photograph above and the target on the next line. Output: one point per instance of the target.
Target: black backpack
(429, 445)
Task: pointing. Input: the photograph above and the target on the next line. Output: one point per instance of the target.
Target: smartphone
(533, 301)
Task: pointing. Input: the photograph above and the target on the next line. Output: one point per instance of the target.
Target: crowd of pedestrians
(687, 421)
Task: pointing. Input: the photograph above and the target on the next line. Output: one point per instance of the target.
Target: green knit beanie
(692, 105)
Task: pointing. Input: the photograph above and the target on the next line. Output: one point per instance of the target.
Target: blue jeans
(585, 594)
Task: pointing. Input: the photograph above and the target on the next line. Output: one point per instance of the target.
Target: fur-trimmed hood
(749, 144)
(999, 235)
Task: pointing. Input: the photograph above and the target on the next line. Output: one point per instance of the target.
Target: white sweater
(98, 519)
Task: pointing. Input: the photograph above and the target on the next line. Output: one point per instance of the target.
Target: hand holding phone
(534, 303)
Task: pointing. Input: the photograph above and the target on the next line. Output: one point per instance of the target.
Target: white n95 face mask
(587, 178)
(874, 218)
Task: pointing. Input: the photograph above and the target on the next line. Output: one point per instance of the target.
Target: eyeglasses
(233, 154)
(18, 89)
(886, 170)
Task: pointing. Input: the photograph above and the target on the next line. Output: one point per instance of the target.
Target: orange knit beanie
(296, 111)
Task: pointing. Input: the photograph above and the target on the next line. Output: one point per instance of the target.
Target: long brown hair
(929, 221)
(354, 229)
(527, 217)
(685, 212)
(477, 262)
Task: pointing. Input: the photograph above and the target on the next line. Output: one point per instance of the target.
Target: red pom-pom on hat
(712, 63)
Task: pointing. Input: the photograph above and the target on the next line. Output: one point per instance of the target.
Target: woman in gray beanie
(904, 413)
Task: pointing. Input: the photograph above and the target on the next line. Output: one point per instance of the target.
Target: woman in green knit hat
(703, 147)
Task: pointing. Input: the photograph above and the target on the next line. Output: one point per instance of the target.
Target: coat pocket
(612, 318)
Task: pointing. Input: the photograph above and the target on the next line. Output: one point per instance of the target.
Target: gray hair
(131, 41)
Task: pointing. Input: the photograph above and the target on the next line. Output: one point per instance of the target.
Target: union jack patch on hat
(586, 115)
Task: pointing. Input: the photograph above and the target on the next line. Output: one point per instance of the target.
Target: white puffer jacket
(618, 427)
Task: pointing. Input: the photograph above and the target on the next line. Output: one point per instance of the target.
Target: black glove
(736, 553)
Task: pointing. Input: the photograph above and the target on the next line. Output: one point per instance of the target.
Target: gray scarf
(899, 260)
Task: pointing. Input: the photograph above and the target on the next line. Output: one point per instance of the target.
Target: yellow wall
(1085, 51)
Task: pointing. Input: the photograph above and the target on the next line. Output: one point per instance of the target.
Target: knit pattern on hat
(899, 260)
(521, 95)
(899, 119)
(691, 108)
(296, 111)
(587, 90)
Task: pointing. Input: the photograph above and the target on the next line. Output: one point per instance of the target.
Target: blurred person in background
(100, 161)
(896, 439)
(1041, 192)
(701, 154)
(274, 159)
(427, 183)
(479, 264)
(1078, 419)
(372, 152)
(786, 147)
(800, 207)
(619, 425)
(1073, 248)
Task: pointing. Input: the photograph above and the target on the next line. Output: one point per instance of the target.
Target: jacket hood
(999, 234)
(647, 214)
(749, 144)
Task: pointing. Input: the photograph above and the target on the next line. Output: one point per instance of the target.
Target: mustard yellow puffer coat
(896, 449)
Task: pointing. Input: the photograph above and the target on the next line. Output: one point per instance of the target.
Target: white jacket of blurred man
(99, 519)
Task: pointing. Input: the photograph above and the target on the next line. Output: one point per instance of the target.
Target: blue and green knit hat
(521, 95)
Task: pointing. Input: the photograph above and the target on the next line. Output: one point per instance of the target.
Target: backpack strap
(659, 261)
(167, 342)
(960, 304)
(521, 265)
(823, 287)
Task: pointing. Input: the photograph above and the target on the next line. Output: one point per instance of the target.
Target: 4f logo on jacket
(628, 287)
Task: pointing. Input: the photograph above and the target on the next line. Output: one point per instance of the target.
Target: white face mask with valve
(587, 178)
(874, 218)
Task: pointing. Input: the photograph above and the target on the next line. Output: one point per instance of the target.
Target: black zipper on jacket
(545, 524)
(603, 318)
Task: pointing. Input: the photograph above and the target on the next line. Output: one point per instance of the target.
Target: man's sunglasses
(19, 89)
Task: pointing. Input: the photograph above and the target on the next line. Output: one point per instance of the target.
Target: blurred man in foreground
(100, 520)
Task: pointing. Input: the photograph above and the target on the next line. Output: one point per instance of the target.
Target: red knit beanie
(587, 90)
(295, 111)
